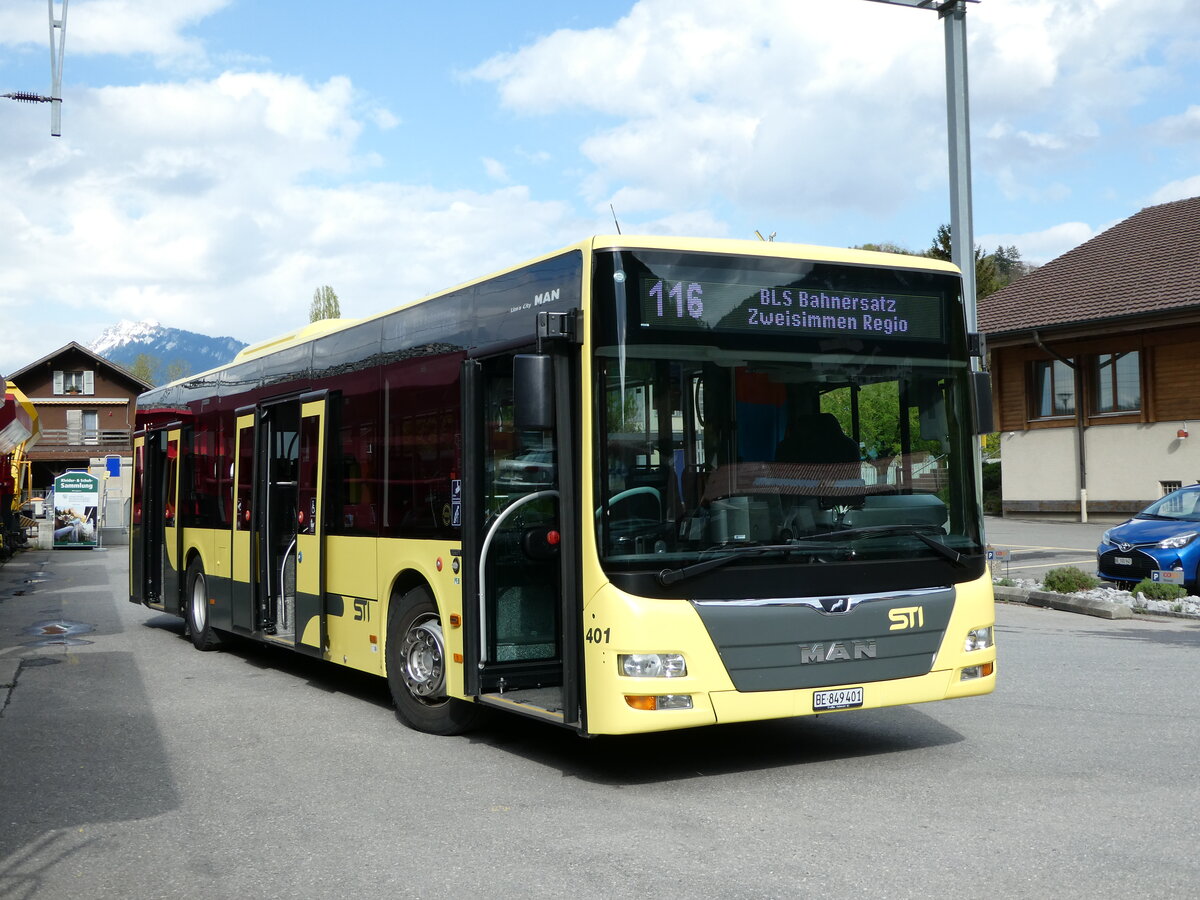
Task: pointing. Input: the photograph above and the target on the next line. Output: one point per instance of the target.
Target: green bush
(1159, 590)
(992, 502)
(1068, 580)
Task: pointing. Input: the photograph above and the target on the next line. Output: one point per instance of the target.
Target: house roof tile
(1148, 263)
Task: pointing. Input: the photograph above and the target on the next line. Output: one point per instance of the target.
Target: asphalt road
(134, 766)
(1037, 546)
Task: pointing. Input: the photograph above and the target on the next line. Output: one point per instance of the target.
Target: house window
(83, 426)
(1117, 382)
(1054, 389)
(75, 382)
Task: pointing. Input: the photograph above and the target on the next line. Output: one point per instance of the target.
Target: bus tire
(415, 656)
(199, 623)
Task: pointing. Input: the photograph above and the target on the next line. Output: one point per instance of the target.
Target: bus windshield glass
(762, 412)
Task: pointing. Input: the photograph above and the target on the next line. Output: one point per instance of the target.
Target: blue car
(1164, 535)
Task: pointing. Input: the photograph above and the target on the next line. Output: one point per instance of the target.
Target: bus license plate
(1123, 560)
(842, 698)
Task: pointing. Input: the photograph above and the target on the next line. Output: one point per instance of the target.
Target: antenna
(615, 222)
(56, 64)
(761, 238)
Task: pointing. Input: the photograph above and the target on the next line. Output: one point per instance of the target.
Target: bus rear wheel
(416, 668)
(203, 635)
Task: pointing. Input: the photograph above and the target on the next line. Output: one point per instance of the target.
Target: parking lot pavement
(1037, 546)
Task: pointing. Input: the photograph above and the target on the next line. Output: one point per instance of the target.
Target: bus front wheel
(416, 668)
(199, 623)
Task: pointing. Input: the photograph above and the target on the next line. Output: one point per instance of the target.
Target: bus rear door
(156, 538)
(277, 547)
(309, 603)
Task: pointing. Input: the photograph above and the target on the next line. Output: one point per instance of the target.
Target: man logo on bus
(906, 617)
(837, 651)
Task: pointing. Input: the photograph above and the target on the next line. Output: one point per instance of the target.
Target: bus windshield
(727, 442)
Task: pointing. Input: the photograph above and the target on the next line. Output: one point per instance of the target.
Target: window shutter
(74, 426)
(58, 381)
(89, 382)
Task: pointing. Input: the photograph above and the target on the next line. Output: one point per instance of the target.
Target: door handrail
(483, 552)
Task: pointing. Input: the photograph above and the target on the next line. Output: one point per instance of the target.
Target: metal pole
(56, 66)
(958, 127)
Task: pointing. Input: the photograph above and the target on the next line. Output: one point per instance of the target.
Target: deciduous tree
(325, 305)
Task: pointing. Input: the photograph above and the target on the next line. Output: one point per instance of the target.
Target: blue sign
(112, 466)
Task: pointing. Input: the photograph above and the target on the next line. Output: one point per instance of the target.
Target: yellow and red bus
(637, 484)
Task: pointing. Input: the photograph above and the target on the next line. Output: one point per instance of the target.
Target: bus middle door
(309, 606)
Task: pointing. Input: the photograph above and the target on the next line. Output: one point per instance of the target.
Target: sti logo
(362, 610)
(906, 617)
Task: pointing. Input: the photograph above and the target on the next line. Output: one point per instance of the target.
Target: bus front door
(519, 599)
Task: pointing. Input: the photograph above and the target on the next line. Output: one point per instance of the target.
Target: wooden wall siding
(1176, 382)
(1170, 365)
(1010, 391)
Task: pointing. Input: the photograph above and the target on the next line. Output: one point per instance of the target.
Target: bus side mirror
(981, 398)
(533, 392)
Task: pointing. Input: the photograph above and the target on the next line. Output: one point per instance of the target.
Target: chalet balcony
(56, 442)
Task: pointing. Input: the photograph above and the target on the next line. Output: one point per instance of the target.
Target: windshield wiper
(917, 531)
(670, 576)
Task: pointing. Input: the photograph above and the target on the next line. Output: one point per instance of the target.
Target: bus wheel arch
(196, 610)
(416, 661)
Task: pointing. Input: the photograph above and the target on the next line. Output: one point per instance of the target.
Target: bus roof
(725, 246)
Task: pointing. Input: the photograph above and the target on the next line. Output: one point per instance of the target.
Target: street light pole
(56, 65)
(958, 134)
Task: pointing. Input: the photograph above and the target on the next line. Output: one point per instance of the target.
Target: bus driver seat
(818, 438)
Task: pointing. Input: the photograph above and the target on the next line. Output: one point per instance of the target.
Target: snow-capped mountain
(168, 347)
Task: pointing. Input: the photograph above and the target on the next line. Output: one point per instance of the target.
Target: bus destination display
(788, 309)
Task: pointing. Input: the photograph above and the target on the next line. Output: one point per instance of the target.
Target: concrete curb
(1103, 609)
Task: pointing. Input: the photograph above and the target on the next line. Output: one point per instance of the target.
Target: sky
(222, 159)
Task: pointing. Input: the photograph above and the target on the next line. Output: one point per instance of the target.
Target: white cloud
(217, 206)
(1182, 127)
(495, 170)
(744, 102)
(1183, 189)
(837, 107)
(1042, 246)
(118, 27)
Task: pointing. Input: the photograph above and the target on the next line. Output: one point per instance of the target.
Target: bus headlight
(652, 665)
(979, 639)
